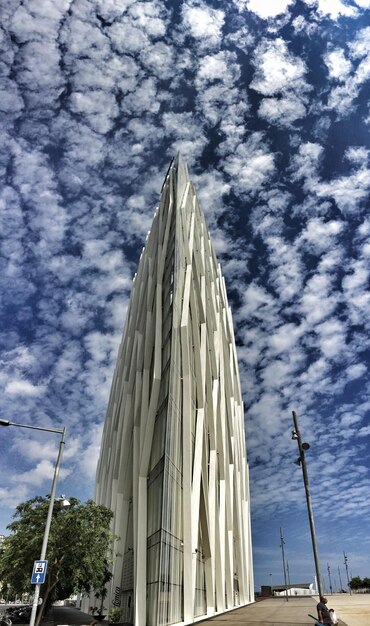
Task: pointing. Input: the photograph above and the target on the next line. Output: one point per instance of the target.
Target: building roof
(291, 586)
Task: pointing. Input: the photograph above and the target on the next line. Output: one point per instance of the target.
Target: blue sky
(268, 103)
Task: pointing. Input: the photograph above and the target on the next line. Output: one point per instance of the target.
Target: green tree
(356, 583)
(77, 553)
(366, 583)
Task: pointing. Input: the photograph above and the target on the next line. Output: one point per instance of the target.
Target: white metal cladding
(173, 461)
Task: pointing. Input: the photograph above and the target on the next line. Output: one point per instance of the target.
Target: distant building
(295, 589)
(173, 462)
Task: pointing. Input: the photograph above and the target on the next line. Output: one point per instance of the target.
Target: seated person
(323, 611)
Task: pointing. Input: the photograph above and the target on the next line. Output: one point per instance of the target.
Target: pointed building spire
(173, 462)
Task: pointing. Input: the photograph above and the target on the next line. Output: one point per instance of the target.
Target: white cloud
(127, 37)
(24, 388)
(242, 38)
(11, 497)
(268, 405)
(266, 9)
(257, 302)
(30, 21)
(41, 473)
(150, 16)
(338, 65)
(19, 357)
(348, 191)
(112, 9)
(320, 235)
(356, 276)
(357, 155)
(144, 98)
(332, 338)
(188, 134)
(68, 363)
(99, 107)
(277, 69)
(364, 228)
(281, 74)
(223, 104)
(316, 373)
(364, 4)
(343, 97)
(102, 347)
(211, 187)
(356, 371)
(335, 8)
(284, 338)
(90, 451)
(10, 99)
(360, 46)
(205, 23)
(305, 162)
(217, 67)
(111, 74)
(318, 299)
(348, 419)
(158, 59)
(356, 291)
(251, 165)
(282, 111)
(302, 25)
(286, 273)
(84, 39)
(36, 183)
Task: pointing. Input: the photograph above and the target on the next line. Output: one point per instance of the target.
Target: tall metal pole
(330, 585)
(346, 564)
(51, 503)
(309, 504)
(48, 523)
(287, 571)
(340, 579)
(282, 542)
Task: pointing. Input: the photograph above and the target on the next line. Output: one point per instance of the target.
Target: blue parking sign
(39, 572)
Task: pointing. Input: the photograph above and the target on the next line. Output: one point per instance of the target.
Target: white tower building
(173, 462)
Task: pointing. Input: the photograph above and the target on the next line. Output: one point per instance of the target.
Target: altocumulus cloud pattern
(268, 103)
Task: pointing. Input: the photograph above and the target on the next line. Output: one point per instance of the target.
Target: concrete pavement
(68, 615)
(351, 610)
(354, 610)
(269, 612)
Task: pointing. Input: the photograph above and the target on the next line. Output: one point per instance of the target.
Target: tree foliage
(77, 552)
(359, 583)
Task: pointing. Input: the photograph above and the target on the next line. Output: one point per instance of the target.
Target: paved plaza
(351, 610)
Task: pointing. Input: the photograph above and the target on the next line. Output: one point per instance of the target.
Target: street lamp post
(340, 579)
(282, 542)
(288, 573)
(330, 585)
(302, 461)
(51, 503)
(346, 566)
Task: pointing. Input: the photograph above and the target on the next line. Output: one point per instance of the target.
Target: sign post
(39, 572)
